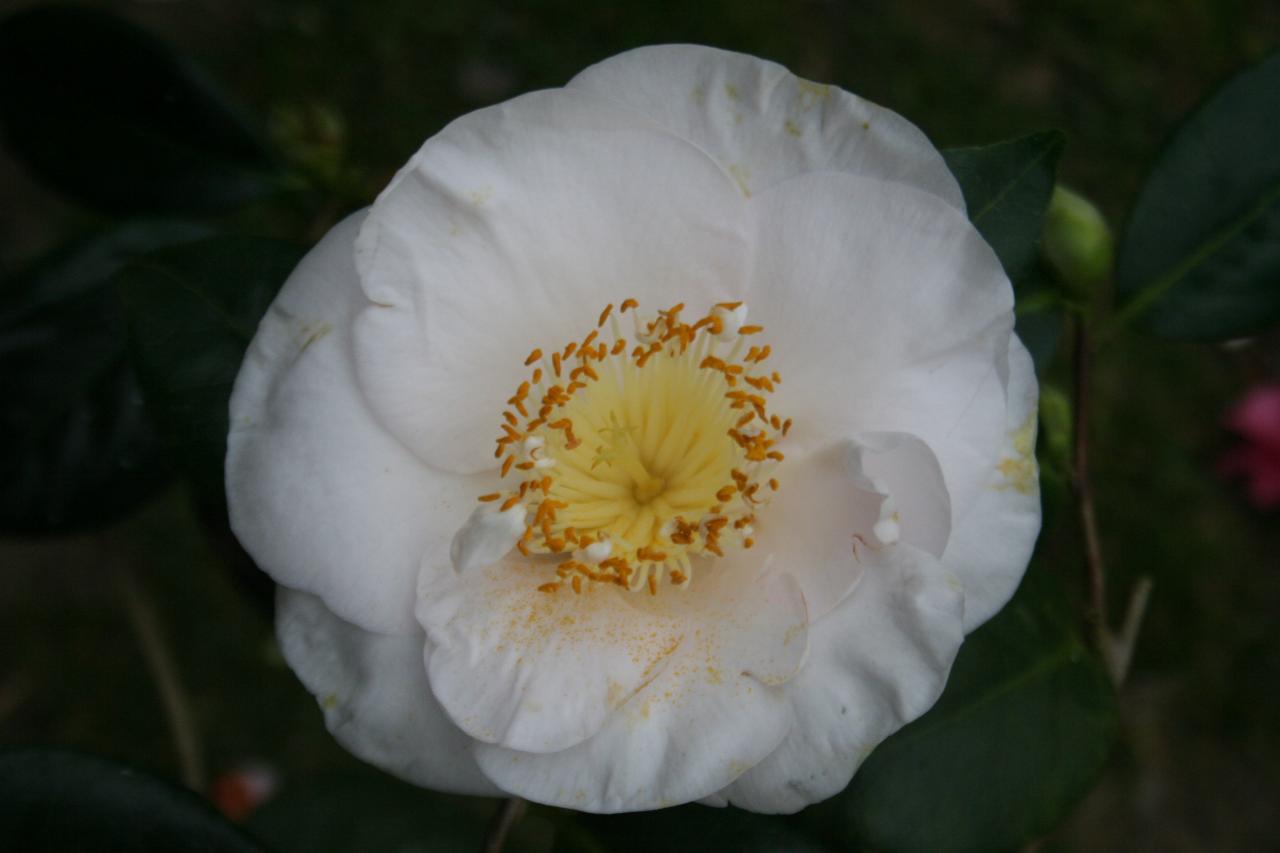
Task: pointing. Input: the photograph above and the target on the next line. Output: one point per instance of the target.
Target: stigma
(642, 447)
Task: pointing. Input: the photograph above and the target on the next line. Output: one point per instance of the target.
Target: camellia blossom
(651, 440)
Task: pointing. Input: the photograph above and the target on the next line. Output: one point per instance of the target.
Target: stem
(1116, 651)
(164, 672)
(1084, 490)
(508, 816)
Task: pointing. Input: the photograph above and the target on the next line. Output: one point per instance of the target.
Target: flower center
(635, 455)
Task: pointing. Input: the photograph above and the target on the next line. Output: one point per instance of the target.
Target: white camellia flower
(763, 443)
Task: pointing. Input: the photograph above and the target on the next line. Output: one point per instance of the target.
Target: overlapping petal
(322, 497)
(763, 123)
(485, 248)
(717, 707)
(890, 313)
(995, 535)
(875, 663)
(838, 497)
(376, 700)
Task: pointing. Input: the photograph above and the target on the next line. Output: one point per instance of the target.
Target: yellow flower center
(634, 455)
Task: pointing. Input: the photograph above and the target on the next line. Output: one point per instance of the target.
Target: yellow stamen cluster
(635, 454)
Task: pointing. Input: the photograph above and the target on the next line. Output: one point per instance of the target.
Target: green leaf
(1020, 734)
(1200, 256)
(103, 112)
(1007, 187)
(79, 449)
(191, 312)
(62, 801)
(361, 812)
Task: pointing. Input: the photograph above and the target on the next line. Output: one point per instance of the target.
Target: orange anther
(604, 315)
(549, 587)
(533, 356)
(493, 496)
(506, 465)
(509, 503)
(750, 330)
(627, 303)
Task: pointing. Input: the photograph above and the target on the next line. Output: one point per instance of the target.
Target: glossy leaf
(1019, 736)
(60, 802)
(104, 113)
(1200, 257)
(1007, 187)
(78, 447)
(191, 312)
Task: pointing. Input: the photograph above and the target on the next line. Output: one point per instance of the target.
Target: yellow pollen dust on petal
(636, 456)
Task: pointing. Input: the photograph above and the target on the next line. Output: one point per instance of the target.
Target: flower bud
(1077, 241)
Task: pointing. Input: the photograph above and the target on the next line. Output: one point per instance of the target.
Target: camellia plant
(672, 438)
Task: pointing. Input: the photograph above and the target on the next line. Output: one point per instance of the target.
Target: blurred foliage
(350, 91)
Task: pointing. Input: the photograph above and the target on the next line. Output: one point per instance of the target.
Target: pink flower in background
(1257, 461)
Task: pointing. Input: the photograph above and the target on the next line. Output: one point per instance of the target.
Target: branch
(508, 816)
(1116, 651)
(155, 651)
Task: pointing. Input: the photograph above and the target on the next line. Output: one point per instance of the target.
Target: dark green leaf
(79, 449)
(104, 113)
(1020, 734)
(1200, 257)
(1007, 187)
(62, 801)
(363, 813)
(191, 312)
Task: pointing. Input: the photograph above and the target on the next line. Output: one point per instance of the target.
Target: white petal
(765, 124)
(712, 712)
(322, 497)
(875, 663)
(839, 495)
(994, 537)
(511, 230)
(906, 471)
(887, 311)
(488, 536)
(534, 670)
(373, 689)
